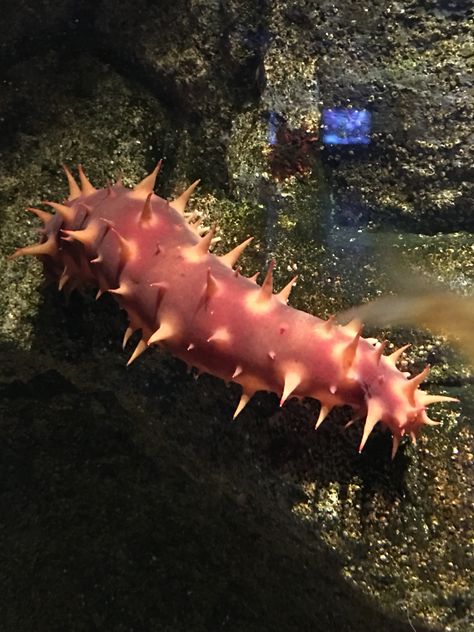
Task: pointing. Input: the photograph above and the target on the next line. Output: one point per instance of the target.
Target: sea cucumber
(155, 260)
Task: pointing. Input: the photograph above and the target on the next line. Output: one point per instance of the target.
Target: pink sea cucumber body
(151, 256)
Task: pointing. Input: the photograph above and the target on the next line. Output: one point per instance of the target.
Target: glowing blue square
(346, 126)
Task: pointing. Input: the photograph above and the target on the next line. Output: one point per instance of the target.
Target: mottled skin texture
(151, 256)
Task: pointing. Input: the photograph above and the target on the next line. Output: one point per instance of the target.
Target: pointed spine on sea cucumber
(86, 186)
(231, 258)
(67, 213)
(48, 247)
(146, 186)
(44, 216)
(180, 203)
(74, 189)
(292, 380)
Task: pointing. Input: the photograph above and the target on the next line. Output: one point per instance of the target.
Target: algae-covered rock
(132, 500)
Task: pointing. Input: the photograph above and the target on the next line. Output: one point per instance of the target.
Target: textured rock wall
(133, 501)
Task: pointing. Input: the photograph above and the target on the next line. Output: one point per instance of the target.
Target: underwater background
(341, 136)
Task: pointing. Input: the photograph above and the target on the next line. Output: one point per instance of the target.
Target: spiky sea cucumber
(151, 255)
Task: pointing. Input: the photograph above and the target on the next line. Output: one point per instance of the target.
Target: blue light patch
(346, 126)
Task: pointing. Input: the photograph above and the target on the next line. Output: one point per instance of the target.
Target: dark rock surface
(129, 499)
